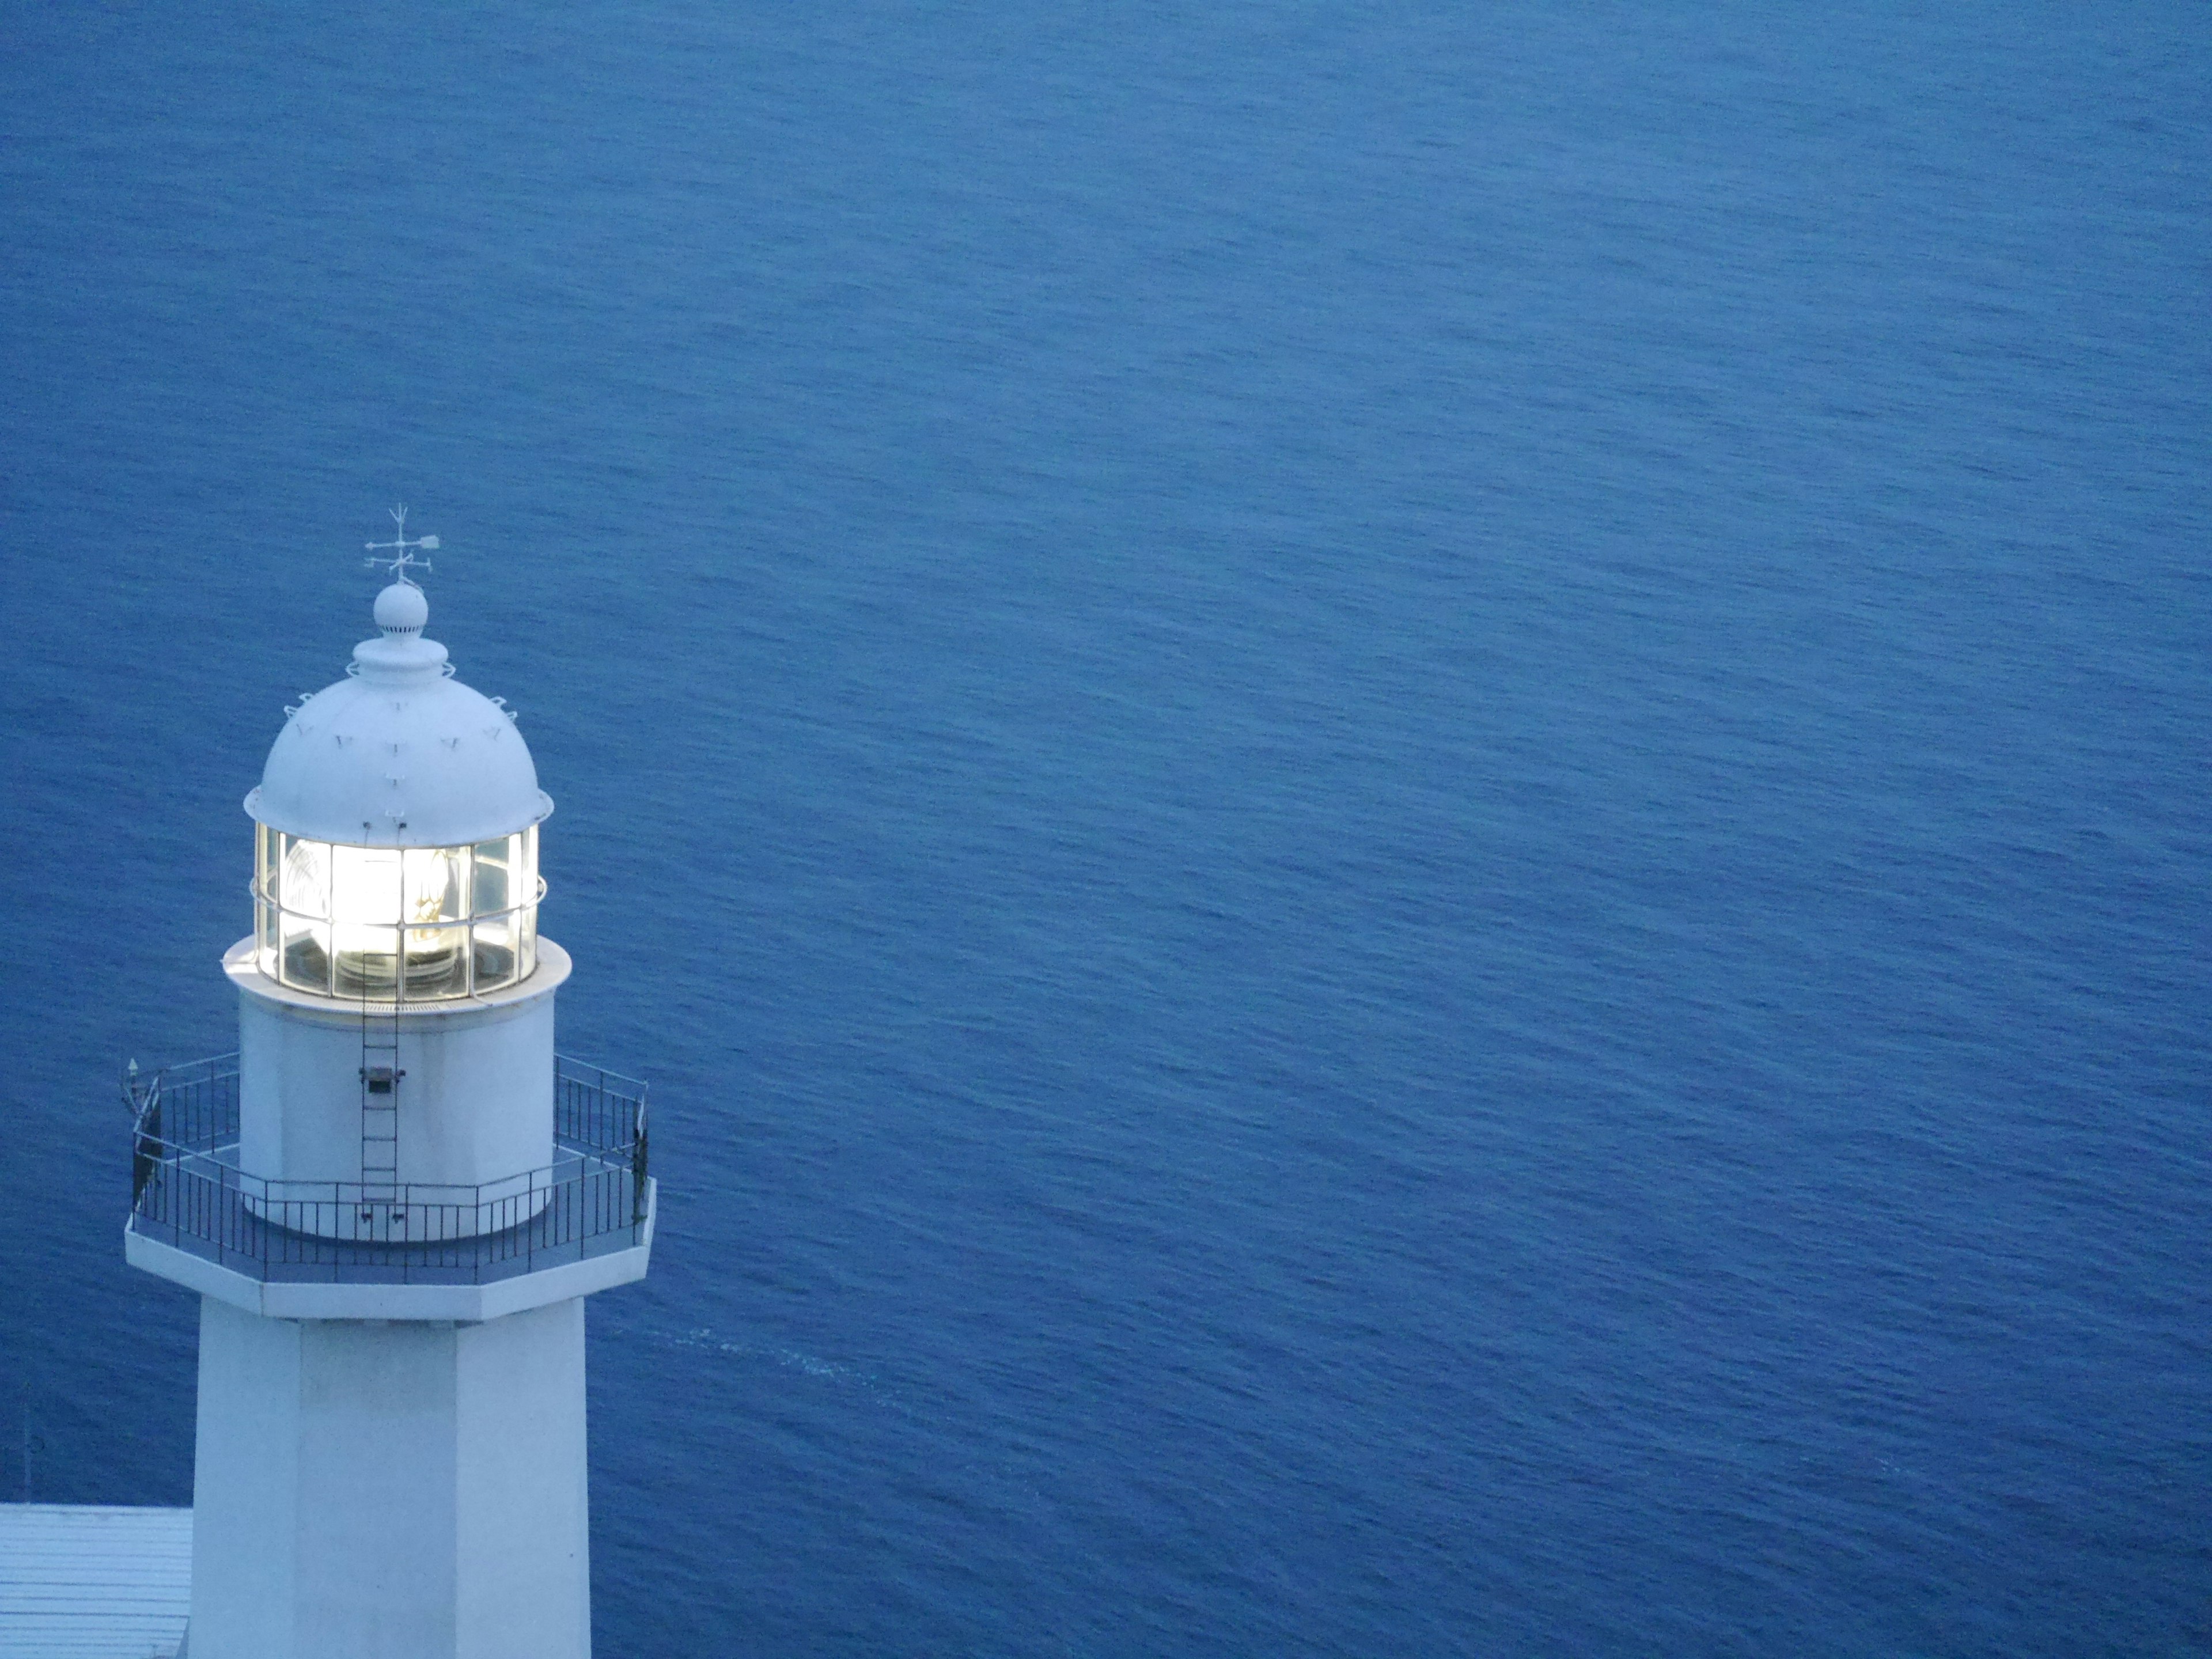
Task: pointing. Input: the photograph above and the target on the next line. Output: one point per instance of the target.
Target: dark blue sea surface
(1404, 806)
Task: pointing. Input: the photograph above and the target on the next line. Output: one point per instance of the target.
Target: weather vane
(402, 550)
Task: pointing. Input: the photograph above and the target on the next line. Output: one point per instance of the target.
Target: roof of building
(400, 753)
(93, 1581)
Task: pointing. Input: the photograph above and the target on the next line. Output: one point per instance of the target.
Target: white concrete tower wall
(476, 1102)
(374, 1490)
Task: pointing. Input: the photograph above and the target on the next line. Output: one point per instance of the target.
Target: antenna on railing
(139, 1092)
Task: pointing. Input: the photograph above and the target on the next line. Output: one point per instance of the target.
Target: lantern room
(396, 837)
(413, 924)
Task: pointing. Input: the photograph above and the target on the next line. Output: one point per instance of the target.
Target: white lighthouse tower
(393, 1198)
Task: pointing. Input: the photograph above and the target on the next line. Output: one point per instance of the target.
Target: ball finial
(401, 611)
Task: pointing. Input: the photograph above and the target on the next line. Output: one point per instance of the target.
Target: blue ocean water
(1404, 804)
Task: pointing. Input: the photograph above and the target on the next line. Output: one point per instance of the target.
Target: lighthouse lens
(421, 923)
(437, 889)
(437, 884)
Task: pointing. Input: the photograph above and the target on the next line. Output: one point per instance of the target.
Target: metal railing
(187, 1190)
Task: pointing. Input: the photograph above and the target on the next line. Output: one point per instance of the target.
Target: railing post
(146, 1149)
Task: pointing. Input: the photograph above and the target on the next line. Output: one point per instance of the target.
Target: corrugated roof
(92, 1581)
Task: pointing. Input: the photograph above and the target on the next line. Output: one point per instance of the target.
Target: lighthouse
(393, 1198)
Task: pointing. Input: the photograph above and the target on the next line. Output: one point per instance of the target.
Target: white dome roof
(398, 754)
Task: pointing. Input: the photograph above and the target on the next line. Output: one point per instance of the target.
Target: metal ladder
(379, 1119)
(380, 1209)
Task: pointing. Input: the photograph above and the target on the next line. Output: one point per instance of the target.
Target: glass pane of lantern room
(265, 915)
(367, 959)
(525, 902)
(303, 952)
(494, 884)
(303, 879)
(494, 951)
(437, 962)
(526, 942)
(365, 886)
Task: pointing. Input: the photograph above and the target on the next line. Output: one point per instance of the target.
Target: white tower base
(402, 1491)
